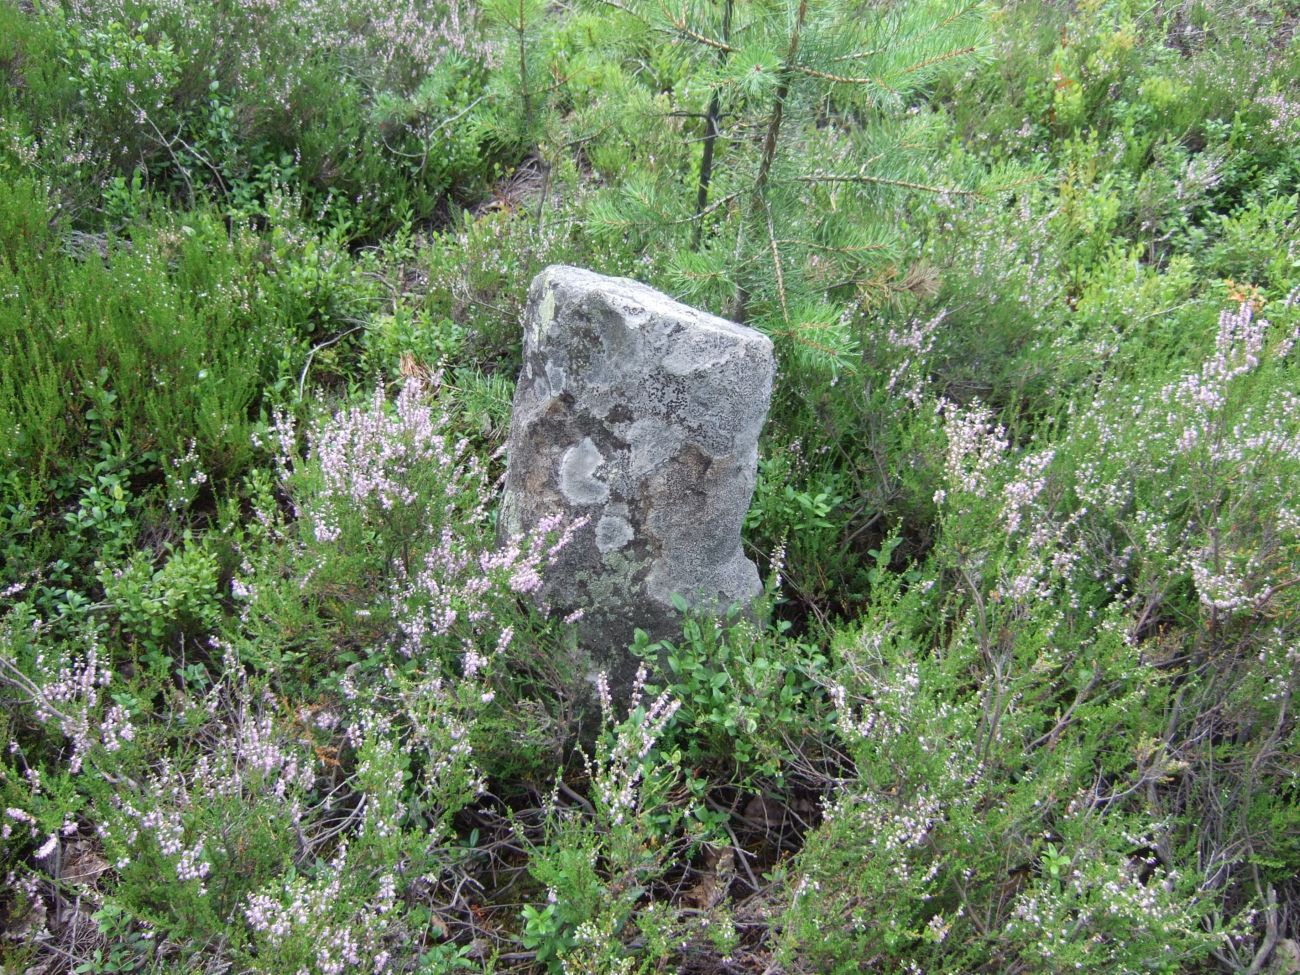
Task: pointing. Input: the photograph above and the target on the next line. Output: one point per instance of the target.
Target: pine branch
(522, 30)
(799, 335)
(900, 41)
(845, 79)
(958, 14)
(939, 59)
(776, 260)
(778, 102)
(857, 55)
(679, 25)
(832, 248)
(863, 178)
(711, 208)
(879, 83)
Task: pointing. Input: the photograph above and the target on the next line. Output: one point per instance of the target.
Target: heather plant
(394, 503)
(198, 840)
(352, 101)
(600, 862)
(1002, 264)
(946, 848)
(276, 830)
(1152, 507)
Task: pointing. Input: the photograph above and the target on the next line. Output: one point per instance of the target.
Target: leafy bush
(743, 692)
(140, 358)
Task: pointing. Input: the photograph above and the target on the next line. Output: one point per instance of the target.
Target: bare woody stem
(771, 139)
(710, 137)
(523, 68)
(778, 103)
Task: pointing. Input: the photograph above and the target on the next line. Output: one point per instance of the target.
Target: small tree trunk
(778, 104)
(711, 131)
(523, 68)
(770, 141)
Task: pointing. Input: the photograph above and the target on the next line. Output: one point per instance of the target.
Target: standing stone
(642, 415)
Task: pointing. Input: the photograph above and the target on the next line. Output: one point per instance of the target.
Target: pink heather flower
(503, 641)
(915, 343)
(526, 579)
(1283, 110)
(48, 847)
(1021, 492)
(116, 728)
(617, 769)
(975, 445)
(550, 523)
(474, 662)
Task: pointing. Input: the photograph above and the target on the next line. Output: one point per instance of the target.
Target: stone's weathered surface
(643, 415)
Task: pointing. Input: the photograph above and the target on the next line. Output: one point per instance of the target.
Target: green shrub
(162, 344)
(352, 103)
(744, 692)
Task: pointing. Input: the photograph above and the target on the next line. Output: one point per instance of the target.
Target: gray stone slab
(643, 415)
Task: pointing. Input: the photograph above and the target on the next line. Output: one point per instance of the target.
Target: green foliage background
(1019, 696)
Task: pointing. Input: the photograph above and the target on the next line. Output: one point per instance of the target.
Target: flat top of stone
(637, 294)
